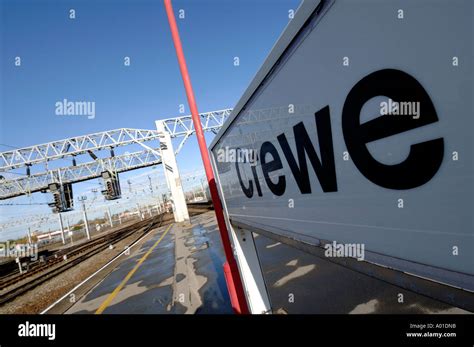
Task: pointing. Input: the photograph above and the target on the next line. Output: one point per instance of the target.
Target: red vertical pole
(233, 280)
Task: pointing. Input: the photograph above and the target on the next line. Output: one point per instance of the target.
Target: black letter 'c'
(247, 191)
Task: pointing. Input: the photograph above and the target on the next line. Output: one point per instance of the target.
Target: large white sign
(363, 136)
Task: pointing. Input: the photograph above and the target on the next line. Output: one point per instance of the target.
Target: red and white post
(233, 279)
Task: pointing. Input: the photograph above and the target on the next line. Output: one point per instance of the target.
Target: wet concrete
(167, 281)
(184, 274)
(298, 282)
(209, 263)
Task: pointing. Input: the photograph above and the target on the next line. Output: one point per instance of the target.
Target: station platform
(160, 275)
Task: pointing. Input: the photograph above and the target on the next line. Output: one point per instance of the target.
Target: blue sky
(83, 60)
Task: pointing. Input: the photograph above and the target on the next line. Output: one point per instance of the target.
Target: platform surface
(161, 276)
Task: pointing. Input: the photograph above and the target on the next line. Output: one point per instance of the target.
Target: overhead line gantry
(179, 127)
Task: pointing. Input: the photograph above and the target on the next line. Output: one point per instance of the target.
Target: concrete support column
(180, 210)
(62, 227)
(139, 212)
(29, 236)
(86, 223)
(110, 217)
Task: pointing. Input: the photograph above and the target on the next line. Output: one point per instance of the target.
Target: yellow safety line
(129, 275)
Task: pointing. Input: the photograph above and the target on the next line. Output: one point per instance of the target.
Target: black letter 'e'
(424, 158)
(273, 165)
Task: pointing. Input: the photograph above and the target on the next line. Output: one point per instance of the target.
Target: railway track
(65, 259)
(75, 257)
(57, 256)
(69, 252)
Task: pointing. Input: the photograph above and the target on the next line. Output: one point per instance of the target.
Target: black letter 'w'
(325, 168)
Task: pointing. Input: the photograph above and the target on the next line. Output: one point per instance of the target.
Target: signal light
(112, 185)
(62, 197)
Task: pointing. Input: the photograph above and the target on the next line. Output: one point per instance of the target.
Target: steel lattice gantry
(73, 146)
(184, 127)
(24, 157)
(73, 174)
